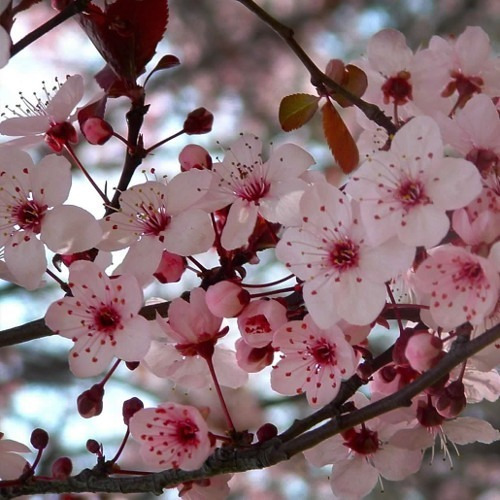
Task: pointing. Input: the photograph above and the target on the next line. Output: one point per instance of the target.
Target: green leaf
(296, 110)
(339, 139)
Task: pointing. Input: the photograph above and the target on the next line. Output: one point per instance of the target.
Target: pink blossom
(171, 267)
(253, 187)
(361, 455)
(226, 299)
(32, 215)
(5, 41)
(11, 464)
(171, 436)
(47, 120)
(423, 350)
(456, 69)
(314, 361)
(253, 359)
(210, 488)
(186, 340)
(156, 216)
(101, 318)
(406, 191)
(344, 276)
(194, 156)
(462, 286)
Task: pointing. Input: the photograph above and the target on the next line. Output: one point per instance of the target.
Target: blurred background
(238, 68)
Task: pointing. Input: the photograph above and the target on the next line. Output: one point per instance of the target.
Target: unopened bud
(171, 268)
(266, 432)
(130, 407)
(452, 400)
(62, 468)
(194, 156)
(39, 439)
(423, 350)
(94, 447)
(90, 402)
(132, 365)
(226, 299)
(199, 121)
(96, 130)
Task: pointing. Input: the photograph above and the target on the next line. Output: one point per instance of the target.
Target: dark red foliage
(126, 34)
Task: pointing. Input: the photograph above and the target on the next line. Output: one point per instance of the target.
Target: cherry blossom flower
(171, 436)
(156, 216)
(32, 215)
(5, 41)
(431, 425)
(101, 318)
(46, 120)
(314, 361)
(253, 187)
(457, 68)
(361, 455)
(406, 191)
(462, 286)
(183, 343)
(389, 67)
(11, 464)
(344, 276)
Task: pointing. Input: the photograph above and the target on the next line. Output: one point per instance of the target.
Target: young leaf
(296, 110)
(339, 139)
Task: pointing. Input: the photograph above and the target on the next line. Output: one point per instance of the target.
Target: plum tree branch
(230, 459)
(318, 77)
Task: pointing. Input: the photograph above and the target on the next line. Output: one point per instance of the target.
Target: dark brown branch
(73, 8)
(38, 329)
(318, 78)
(227, 460)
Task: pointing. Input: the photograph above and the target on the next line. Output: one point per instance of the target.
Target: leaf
(126, 33)
(166, 62)
(339, 139)
(296, 110)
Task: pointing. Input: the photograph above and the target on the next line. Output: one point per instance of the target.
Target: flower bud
(132, 365)
(39, 439)
(194, 156)
(96, 130)
(266, 432)
(94, 447)
(130, 407)
(226, 299)
(198, 121)
(171, 268)
(452, 400)
(253, 359)
(62, 468)
(423, 350)
(90, 402)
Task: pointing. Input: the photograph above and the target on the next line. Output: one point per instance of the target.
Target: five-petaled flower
(314, 361)
(101, 318)
(171, 436)
(31, 206)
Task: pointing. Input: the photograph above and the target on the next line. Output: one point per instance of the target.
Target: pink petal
(90, 356)
(185, 189)
(473, 48)
(66, 98)
(240, 224)
(133, 341)
(42, 178)
(189, 233)
(354, 477)
(23, 126)
(378, 47)
(288, 161)
(465, 430)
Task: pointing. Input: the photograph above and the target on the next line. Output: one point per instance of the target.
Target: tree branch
(258, 456)
(318, 78)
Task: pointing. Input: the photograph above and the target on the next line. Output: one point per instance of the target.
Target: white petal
(51, 180)
(186, 188)
(21, 126)
(189, 233)
(467, 430)
(396, 463)
(353, 478)
(288, 161)
(66, 98)
(5, 43)
(240, 224)
(69, 229)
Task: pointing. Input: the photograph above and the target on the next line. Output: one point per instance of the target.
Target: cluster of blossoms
(422, 210)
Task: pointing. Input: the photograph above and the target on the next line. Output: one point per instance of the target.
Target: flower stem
(225, 410)
(271, 283)
(158, 144)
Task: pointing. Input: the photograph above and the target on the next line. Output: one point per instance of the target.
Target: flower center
(257, 324)
(106, 319)
(344, 255)
(398, 88)
(363, 441)
(253, 190)
(29, 216)
(412, 193)
(60, 134)
(323, 353)
(469, 271)
(186, 432)
(154, 219)
(485, 160)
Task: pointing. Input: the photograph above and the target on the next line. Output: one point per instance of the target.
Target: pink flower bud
(266, 432)
(94, 447)
(171, 268)
(39, 439)
(226, 299)
(62, 468)
(130, 407)
(423, 351)
(89, 402)
(194, 156)
(452, 400)
(253, 359)
(96, 130)
(198, 121)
